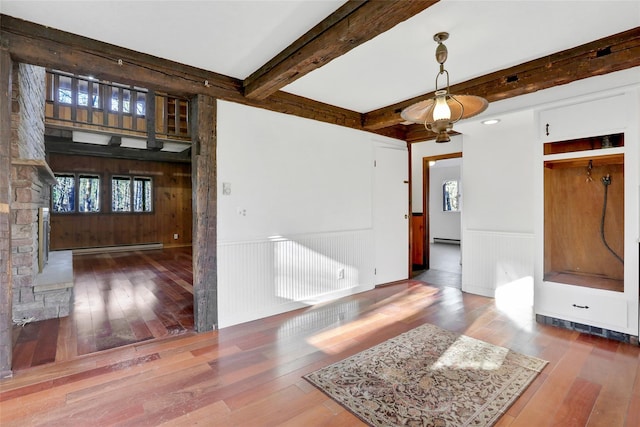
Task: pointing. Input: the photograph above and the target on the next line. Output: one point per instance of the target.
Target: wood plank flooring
(119, 298)
(251, 374)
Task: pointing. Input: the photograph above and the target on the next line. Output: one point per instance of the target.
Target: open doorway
(442, 206)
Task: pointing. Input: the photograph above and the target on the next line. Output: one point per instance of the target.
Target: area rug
(429, 377)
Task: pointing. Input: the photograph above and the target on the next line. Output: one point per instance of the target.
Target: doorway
(391, 202)
(442, 204)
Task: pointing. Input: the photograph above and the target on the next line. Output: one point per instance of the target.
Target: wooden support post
(152, 143)
(204, 186)
(6, 302)
(115, 141)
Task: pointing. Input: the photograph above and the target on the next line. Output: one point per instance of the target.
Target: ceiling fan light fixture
(439, 113)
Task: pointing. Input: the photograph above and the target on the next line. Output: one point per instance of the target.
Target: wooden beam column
(6, 302)
(152, 142)
(204, 190)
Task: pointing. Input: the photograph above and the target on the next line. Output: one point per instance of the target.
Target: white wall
(443, 225)
(290, 175)
(498, 174)
(297, 225)
(499, 204)
(420, 150)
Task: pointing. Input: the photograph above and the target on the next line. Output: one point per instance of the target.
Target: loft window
(127, 97)
(86, 91)
(64, 90)
(450, 196)
(84, 97)
(88, 193)
(131, 194)
(63, 194)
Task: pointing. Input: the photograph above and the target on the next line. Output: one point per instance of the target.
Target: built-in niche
(584, 213)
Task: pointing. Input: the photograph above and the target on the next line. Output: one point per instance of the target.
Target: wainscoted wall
(295, 212)
(495, 259)
(263, 277)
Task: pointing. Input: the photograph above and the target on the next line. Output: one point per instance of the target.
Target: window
(69, 188)
(64, 90)
(131, 194)
(141, 194)
(88, 193)
(63, 195)
(450, 196)
(121, 194)
(84, 95)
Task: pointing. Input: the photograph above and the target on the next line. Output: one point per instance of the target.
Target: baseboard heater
(121, 248)
(449, 241)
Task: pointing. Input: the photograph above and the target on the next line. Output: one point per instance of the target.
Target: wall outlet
(340, 274)
(175, 236)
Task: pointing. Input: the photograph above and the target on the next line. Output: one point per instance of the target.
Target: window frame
(447, 195)
(132, 192)
(81, 175)
(75, 195)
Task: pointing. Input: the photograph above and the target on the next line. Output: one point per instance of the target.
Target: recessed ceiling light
(491, 121)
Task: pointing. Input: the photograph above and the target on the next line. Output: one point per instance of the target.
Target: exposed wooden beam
(614, 53)
(65, 146)
(39, 45)
(6, 275)
(152, 143)
(356, 22)
(47, 47)
(115, 141)
(205, 200)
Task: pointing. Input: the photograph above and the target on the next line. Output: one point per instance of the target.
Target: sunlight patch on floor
(383, 314)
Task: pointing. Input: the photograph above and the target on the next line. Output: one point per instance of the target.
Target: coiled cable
(606, 181)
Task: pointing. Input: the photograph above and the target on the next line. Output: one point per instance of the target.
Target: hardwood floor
(119, 298)
(251, 374)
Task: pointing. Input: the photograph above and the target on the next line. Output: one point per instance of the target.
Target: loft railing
(83, 102)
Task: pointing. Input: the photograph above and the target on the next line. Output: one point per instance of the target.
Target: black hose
(606, 181)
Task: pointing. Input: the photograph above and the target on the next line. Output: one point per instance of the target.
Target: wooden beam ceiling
(356, 22)
(39, 45)
(35, 44)
(606, 55)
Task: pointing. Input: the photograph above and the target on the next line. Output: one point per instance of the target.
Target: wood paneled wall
(171, 200)
(417, 241)
(574, 198)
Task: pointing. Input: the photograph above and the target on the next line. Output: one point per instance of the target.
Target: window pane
(126, 95)
(115, 99)
(121, 194)
(83, 92)
(450, 196)
(141, 104)
(142, 194)
(88, 193)
(63, 193)
(64, 90)
(95, 97)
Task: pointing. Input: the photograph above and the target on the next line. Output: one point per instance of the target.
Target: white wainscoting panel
(493, 259)
(261, 278)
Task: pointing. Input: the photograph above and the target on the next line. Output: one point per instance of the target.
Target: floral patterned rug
(429, 377)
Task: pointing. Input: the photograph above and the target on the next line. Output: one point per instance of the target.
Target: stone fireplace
(40, 290)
